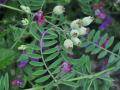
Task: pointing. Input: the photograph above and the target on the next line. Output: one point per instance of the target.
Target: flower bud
(74, 33)
(83, 31)
(68, 44)
(39, 17)
(17, 82)
(25, 9)
(87, 20)
(22, 64)
(76, 41)
(22, 47)
(66, 67)
(25, 21)
(76, 24)
(58, 10)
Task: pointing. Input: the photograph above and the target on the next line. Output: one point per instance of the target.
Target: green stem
(91, 76)
(12, 8)
(90, 84)
(44, 59)
(42, 5)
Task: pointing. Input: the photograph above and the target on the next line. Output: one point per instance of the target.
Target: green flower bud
(22, 47)
(25, 9)
(83, 31)
(68, 44)
(58, 10)
(74, 33)
(25, 21)
(76, 41)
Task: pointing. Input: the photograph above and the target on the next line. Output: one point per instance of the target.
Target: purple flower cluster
(39, 18)
(101, 14)
(107, 22)
(66, 67)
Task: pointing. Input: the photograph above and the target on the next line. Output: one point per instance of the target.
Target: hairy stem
(12, 8)
(44, 59)
(92, 76)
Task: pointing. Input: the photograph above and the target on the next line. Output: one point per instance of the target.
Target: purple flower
(100, 13)
(106, 23)
(66, 67)
(102, 16)
(39, 17)
(17, 82)
(22, 64)
(35, 60)
(103, 26)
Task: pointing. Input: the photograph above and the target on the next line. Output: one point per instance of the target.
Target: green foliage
(7, 57)
(47, 73)
(33, 4)
(4, 82)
